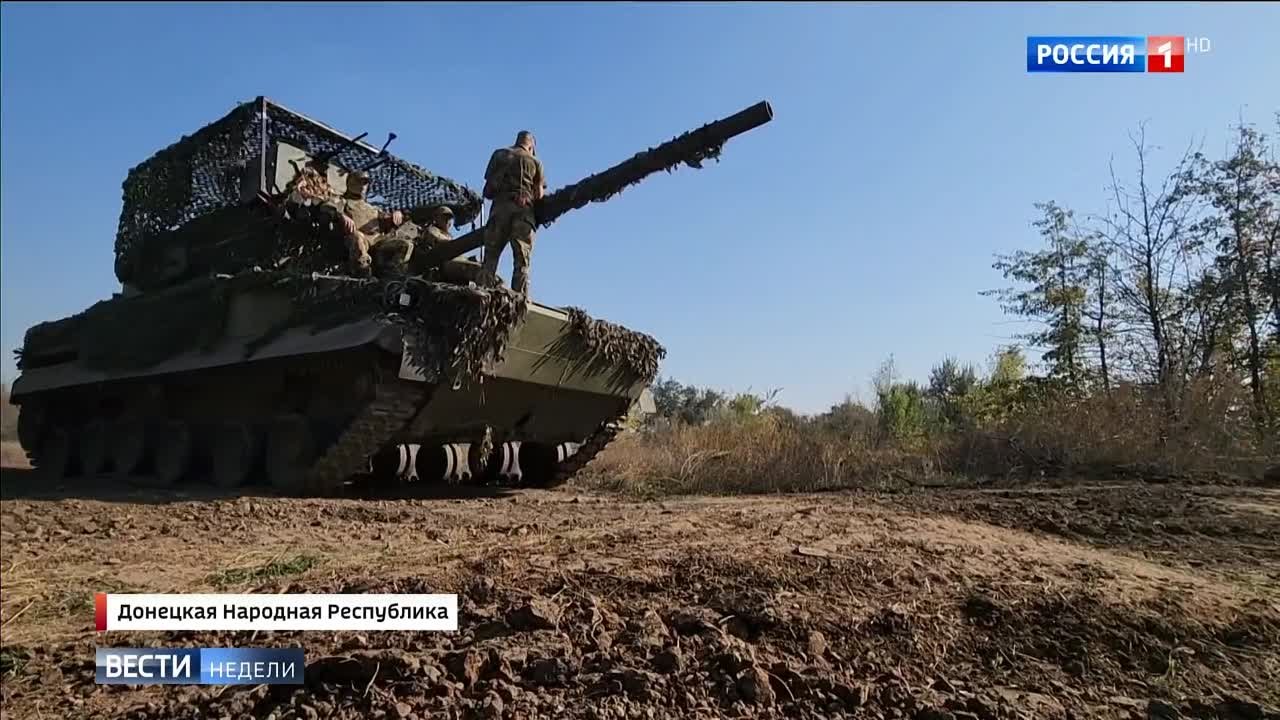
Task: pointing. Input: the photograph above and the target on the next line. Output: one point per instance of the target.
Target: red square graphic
(1165, 53)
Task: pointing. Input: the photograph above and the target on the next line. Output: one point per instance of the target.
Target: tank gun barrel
(691, 148)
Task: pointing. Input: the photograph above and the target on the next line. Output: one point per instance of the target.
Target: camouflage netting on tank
(628, 355)
(205, 172)
(454, 331)
(457, 330)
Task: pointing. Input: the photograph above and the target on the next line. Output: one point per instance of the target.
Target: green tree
(902, 412)
(949, 386)
(849, 419)
(1242, 190)
(1052, 291)
(904, 415)
(686, 403)
(1001, 395)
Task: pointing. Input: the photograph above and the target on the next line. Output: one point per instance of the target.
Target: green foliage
(1009, 366)
(274, 569)
(849, 419)
(1054, 290)
(950, 387)
(1243, 190)
(685, 403)
(689, 405)
(904, 416)
(13, 660)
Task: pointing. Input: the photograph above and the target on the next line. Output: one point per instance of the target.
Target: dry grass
(1094, 438)
(1123, 432)
(763, 455)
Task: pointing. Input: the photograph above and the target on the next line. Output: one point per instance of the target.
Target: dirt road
(1126, 601)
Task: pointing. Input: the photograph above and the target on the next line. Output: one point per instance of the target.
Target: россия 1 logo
(1135, 54)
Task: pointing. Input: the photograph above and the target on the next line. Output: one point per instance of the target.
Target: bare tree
(1148, 236)
(1099, 309)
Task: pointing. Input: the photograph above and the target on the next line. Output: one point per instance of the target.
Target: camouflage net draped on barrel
(205, 172)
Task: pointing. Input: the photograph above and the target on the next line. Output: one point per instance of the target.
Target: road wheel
(54, 457)
(128, 446)
(93, 447)
(234, 448)
(173, 452)
(291, 451)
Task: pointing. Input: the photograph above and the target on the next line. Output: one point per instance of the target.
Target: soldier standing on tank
(513, 181)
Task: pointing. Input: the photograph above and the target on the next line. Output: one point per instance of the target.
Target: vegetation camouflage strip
(614, 345)
(454, 331)
(457, 330)
(691, 148)
(603, 186)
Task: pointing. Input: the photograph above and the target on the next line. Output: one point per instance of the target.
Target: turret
(197, 207)
(691, 148)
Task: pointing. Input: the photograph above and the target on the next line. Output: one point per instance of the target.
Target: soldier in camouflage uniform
(457, 270)
(360, 224)
(437, 231)
(427, 227)
(364, 225)
(514, 181)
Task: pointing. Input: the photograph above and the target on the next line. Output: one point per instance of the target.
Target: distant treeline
(1158, 323)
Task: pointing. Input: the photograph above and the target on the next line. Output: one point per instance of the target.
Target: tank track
(586, 453)
(392, 409)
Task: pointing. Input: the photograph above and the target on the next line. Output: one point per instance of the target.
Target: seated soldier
(437, 231)
(400, 255)
(365, 226)
(393, 255)
(458, 270)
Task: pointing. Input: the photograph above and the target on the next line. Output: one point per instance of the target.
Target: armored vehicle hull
(314, 382)
(283, 316)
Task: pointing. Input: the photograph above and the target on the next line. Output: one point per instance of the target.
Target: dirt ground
(1143, 601)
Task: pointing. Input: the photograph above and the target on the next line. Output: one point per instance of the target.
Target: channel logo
(199, 666)
(1111, 54)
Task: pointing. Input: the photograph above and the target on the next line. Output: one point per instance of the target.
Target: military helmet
(357, 183)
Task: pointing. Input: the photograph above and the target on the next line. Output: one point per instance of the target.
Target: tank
(253, 340)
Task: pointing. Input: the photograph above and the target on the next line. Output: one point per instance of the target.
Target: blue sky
(908, 145)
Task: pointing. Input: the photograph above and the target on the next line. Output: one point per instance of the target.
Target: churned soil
(1121, 601)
